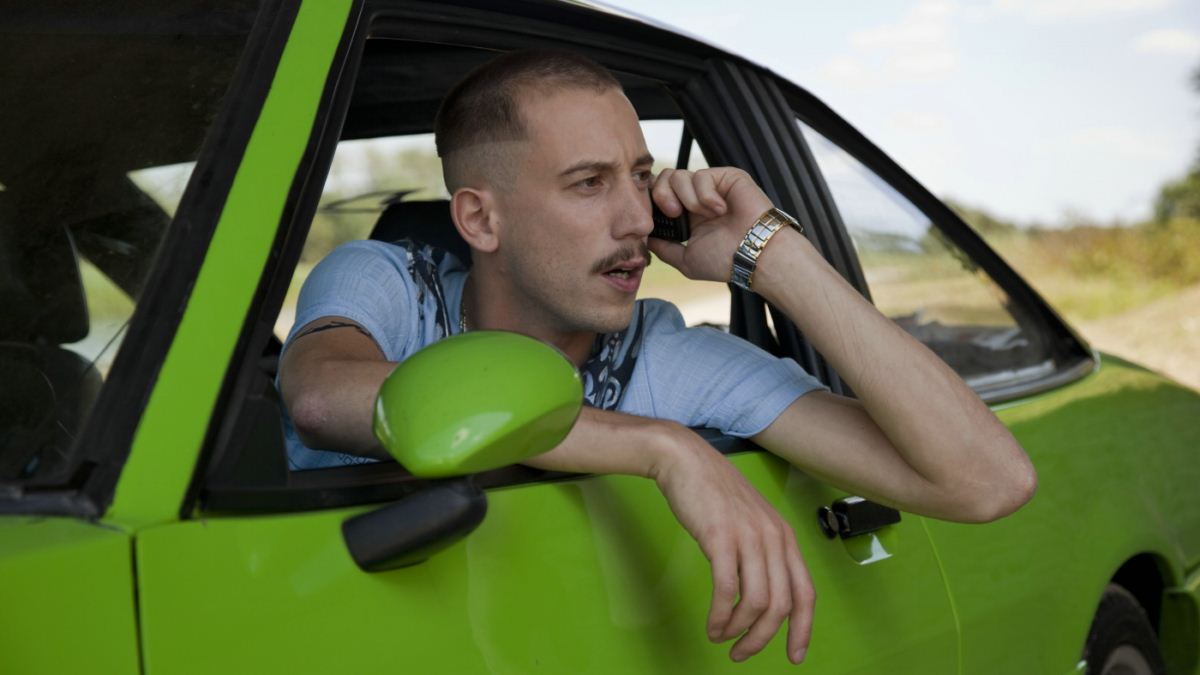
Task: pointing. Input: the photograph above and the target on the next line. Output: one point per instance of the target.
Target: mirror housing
(476, 402)
(462, 405)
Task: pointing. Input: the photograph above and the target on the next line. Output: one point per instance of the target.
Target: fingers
(705, 187)
(778, 607)
(775, 585)
(664, 196)
(725, 588)
(804, 598)
(669, 252)
(752, 550)
(755, 591)
(675, 191)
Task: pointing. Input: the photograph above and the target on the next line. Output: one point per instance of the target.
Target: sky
(1045, 111)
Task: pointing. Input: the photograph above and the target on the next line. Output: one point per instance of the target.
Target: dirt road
(1163, 335)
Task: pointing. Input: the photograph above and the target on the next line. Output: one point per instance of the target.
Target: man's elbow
(310, 413)
(1005, 497)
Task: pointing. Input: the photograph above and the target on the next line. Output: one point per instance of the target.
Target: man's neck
(489, 307)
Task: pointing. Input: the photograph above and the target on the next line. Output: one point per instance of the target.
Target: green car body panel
(67, 598)
(1139, 491)
(591, 574)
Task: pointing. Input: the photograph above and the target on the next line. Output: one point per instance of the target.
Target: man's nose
(634, 219)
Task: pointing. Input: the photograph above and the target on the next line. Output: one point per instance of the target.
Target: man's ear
(473, 211)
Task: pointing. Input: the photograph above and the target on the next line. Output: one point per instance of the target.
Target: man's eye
(642, 176)
(590, 182)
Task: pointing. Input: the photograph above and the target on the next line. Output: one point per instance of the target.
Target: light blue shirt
(407, 296)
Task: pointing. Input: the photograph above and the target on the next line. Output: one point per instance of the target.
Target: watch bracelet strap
(745, 258)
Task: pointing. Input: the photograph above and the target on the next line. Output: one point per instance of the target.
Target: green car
(171, 170)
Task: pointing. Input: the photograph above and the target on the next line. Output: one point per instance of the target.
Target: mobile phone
(668, 228)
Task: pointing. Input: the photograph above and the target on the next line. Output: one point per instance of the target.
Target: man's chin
(615, 320)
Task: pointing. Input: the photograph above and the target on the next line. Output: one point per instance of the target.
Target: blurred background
(1067, 132)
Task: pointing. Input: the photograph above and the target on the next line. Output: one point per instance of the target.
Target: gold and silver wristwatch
(745, 258)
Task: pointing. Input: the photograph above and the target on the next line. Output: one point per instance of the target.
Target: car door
(582, 574)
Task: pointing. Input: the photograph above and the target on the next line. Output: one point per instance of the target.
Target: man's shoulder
(662, 317)
(659, 314)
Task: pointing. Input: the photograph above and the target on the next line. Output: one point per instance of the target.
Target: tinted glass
(106, 106)
(925, 283)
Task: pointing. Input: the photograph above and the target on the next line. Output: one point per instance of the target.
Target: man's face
(575, 221)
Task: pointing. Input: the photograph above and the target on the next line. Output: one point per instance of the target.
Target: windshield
(105, 108)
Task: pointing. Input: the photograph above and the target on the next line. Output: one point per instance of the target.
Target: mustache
(628, 253)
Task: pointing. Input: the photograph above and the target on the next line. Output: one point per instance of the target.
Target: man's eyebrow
(599, 165)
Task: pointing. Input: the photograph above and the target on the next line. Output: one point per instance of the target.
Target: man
(551, 188)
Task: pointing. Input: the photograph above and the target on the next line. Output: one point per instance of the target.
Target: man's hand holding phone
(720, 205)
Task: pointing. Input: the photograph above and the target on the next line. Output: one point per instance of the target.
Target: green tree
(1181, 198)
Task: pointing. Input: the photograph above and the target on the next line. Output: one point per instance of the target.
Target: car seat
(428, 222)
(46, 391)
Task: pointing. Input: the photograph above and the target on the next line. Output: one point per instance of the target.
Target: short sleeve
(702, 377)
(362, 281)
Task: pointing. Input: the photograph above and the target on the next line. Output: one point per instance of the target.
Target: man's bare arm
(329, 380)
(920, 439)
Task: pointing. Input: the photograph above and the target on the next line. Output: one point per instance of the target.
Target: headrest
(428, 222)
(40, 287)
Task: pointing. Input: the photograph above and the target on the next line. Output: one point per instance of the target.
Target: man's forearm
(610, 442)
(929, 414)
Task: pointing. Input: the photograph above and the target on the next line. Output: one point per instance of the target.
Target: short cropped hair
(483, 108)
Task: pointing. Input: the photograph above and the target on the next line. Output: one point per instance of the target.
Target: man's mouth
(626, 276)
(623, 269)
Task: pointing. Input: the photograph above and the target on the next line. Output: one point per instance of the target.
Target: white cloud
(847, 71)
(926, 23)
(1051, 11)
(1120, 141)
(921, 121)
(920, 47)
(1169, 41)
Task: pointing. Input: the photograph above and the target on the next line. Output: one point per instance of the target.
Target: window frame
(1073, 358)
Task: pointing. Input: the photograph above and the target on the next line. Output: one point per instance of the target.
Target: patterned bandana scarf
(607, 372)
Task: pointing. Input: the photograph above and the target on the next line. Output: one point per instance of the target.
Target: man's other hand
(723, 203)
(753, 551)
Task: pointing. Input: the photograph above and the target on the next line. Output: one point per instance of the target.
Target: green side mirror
(476, 402)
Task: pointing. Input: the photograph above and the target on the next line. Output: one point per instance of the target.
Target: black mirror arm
(409, 531)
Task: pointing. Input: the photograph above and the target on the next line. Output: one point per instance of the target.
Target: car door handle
(854, 516)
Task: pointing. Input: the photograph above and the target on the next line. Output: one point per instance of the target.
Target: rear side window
(105, 111)
(925, 283)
